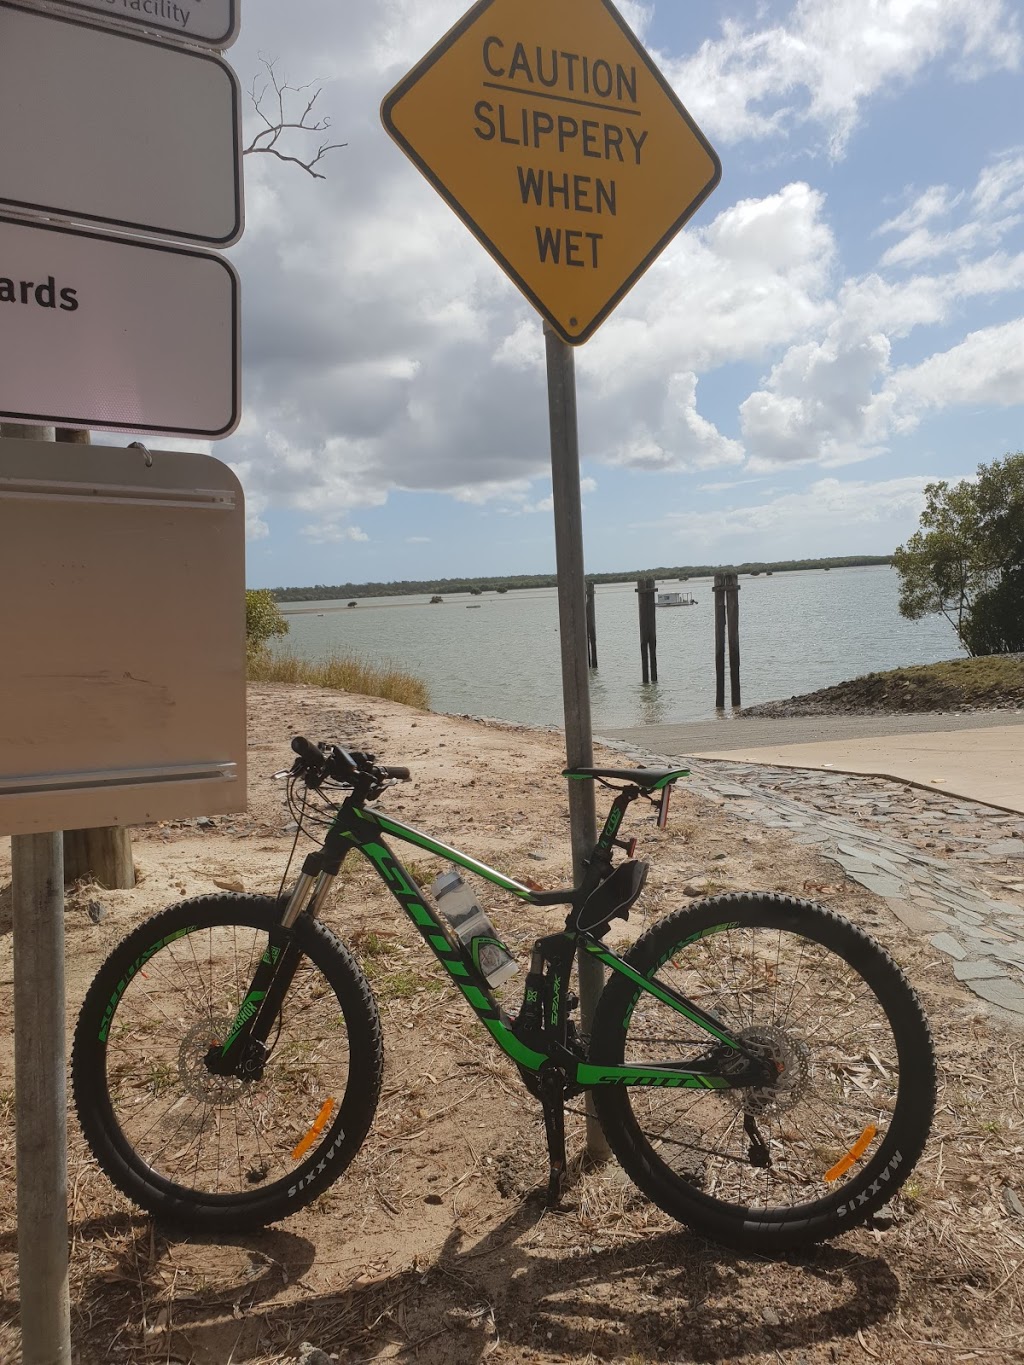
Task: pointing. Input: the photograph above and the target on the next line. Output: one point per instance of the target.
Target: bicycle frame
(538, 1038)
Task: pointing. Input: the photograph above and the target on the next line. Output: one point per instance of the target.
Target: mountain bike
(761, 1068)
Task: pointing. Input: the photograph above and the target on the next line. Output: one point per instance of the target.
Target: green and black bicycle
(761, 1068)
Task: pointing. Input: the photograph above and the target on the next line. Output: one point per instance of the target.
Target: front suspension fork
(243, 1052)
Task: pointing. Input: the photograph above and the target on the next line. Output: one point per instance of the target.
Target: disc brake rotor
(196, 1078)
(789, 1057)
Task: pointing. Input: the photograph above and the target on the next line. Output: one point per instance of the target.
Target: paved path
(950, 869)
(979, 756)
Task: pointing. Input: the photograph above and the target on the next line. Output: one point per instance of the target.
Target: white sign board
(122, 679)
(116, 334)
(211, 23)
(116, 130)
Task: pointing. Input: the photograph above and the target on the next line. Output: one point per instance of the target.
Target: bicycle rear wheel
(838, 1132)
(215, 1153)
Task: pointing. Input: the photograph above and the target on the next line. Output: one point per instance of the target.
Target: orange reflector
(319, 1124)
(853, 1155)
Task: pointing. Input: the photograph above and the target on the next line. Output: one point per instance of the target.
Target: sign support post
(40, 1065)
(40, 1098)
(572, 620)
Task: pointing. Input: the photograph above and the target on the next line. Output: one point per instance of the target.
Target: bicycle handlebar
(320, 761)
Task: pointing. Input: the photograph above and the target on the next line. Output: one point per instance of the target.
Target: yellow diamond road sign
(554, 137)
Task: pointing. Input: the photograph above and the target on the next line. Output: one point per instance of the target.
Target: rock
(229, 883)
(771, 1317)
(312, 1355)
(96, 911)
(882, 1218)
(1012, 1203)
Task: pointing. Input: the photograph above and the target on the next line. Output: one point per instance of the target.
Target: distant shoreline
(503, 583)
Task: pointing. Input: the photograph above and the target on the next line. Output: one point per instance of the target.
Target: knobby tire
(208, 1153)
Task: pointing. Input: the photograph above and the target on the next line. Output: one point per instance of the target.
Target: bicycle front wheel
(216, 1153)
(837, 1132)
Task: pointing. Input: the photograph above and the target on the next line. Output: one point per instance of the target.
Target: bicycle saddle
(648, 778)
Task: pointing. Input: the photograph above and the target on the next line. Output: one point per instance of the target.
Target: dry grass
(341, 673)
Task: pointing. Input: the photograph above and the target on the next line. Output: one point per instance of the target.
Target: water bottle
(459, 907)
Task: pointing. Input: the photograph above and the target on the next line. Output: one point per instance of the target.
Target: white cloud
(934, 202)
(999, 191)
(818, 405)
(829, 57)
(840, 396)
(828, 517)
(1000, 186)
(516, 496)
(987, 367)
(757, 277)
(831, 404)
(325, 533)
(683, 439)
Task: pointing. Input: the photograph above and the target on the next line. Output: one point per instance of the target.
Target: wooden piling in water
(648, 630)
(732, 615)
(591, 627)
(727, 622)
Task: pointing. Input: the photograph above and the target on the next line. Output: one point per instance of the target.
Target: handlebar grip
(306, 749)
(402, 774)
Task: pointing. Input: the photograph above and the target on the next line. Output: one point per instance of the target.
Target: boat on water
(675, 599)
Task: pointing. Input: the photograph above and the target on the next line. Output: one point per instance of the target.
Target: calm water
(798, 632)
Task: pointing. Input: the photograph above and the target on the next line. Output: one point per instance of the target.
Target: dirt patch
(989, 684)
(436, 1246)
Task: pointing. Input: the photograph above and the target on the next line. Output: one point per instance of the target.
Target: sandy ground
(434, 1247)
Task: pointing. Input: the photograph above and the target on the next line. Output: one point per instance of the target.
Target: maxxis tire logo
(876, 1187)
(318, 1169)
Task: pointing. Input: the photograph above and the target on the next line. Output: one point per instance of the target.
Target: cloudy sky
(841, 322)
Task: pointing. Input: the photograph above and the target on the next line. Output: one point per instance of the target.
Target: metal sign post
(572, 620)
(40, 1067)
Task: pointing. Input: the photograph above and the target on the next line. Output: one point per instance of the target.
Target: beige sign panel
(122, 674)
(560, 145)
(213, 23)
(114, 334)
(125, 132)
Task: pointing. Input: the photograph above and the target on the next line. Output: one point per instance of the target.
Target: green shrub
(263, 621)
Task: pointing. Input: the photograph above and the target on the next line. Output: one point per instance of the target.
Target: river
(498, 654)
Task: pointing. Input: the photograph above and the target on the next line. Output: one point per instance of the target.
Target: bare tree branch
(278, 122)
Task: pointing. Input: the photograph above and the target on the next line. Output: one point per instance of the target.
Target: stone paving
(948, 868)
